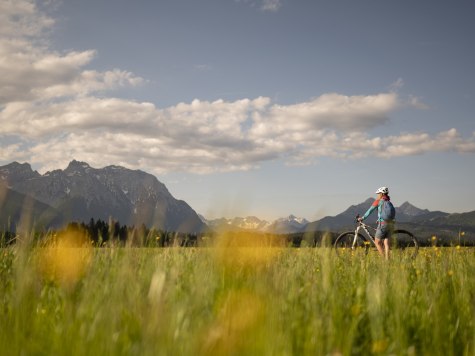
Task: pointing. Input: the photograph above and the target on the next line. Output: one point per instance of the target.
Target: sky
(248, 107)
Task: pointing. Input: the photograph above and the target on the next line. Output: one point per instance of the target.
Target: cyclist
(383, 232)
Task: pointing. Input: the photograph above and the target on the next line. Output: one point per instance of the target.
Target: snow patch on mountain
(288, 224)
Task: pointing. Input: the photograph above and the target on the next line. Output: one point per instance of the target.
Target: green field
(232, 300)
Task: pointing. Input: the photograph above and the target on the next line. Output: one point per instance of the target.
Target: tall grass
(61, 299)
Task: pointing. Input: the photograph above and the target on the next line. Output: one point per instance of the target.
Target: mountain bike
(354, 242)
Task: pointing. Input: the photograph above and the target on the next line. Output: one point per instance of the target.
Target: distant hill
(236, 224)
(285, 225)
(341, 221)
(17, 208)
(422, 222)
(288, 225)
(450, 226)
(406, 213)
(81, 192)
(444, 219)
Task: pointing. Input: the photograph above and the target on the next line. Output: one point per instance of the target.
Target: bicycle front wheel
(404, 241)
(350, 244)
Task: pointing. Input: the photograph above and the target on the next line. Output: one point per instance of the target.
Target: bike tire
(344, 244)
(403, 241)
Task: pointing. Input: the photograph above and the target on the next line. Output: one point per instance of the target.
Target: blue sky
(248, 107)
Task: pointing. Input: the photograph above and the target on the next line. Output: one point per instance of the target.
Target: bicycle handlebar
(361, 223)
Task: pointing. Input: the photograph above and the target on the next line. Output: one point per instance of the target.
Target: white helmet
(383, 190)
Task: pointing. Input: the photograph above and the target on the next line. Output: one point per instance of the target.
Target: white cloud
(13, 152)
(264, 5)
(50, 113)
(202, 67)
(271, 5)
(20, 18)
(416, 102)
(201, 136)
(30, 71)
(329, 111)
(399, 83)
(35, 120)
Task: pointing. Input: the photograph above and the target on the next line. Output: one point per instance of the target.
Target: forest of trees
(102, 233)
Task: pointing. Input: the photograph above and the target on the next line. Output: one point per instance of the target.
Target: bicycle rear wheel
(345, 244)
(404, 241)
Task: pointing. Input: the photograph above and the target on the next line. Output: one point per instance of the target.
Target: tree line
(102, 233)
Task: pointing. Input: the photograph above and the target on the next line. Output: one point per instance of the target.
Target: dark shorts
(384, 230)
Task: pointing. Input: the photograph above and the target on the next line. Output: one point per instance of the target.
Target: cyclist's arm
(372, 208)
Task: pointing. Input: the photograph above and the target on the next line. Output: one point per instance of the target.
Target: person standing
(386, 215)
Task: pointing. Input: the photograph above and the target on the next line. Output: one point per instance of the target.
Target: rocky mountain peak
(292, 219)
(77, 166)
(288, 224)
(409, 209)
(130, 196)
(17, 171)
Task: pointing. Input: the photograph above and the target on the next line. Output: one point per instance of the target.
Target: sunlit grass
(241, 297)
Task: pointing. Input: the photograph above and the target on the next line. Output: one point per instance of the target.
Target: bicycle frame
(363, 226)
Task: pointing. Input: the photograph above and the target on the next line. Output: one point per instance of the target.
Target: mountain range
(287, 225)
(81, 192)
(405, 213)
(134, 197)
(422, 222)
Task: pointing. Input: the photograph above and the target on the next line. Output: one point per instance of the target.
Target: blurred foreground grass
(62, 299)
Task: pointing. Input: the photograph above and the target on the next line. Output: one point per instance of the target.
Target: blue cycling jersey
(376, 205)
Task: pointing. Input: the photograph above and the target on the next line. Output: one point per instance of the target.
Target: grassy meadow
(69, 298)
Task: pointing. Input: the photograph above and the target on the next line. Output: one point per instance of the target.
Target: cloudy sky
(248, 107)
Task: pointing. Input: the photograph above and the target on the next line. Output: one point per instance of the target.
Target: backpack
(387, 212)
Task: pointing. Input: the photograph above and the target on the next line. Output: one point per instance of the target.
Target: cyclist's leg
(382, 235)
(386, 247)
(387, 231)
(379, 246)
